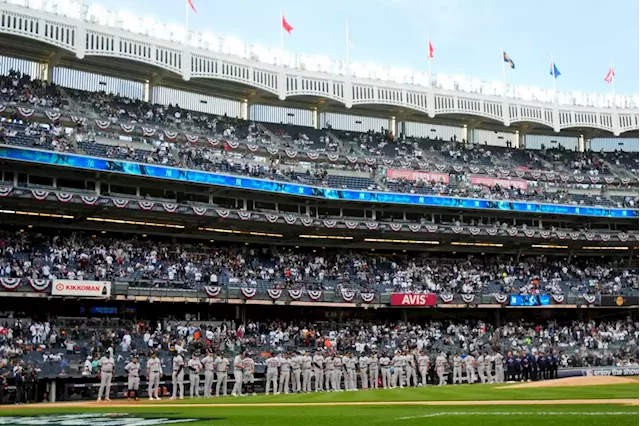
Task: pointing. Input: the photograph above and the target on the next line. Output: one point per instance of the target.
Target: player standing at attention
(106, 364)
(285, 373)
(469, 362)
(305, 363)
(195, 366)
(248, 374)
(222, 365)
(237, 375)
(423, 367)
(329, 372)
(177, 376)
(337, 373)
(272, 375)
(295, 373)
(457, 369)
(318, 366)
(374, 366)
(351, 364)
(207, 363)
(363, 365)
(499, 361)
(133, 378)
(480, 362)
(441, 360)
(397, 379)
(385, 367)
(488, 360)
(412, 377)
(154, 371)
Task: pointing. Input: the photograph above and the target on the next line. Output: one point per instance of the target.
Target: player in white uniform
(441, 360)
(195, 367)
(154, 371)
(488, 360)
(133, 378)
(305, 363)
(480, 363)
(469, 362)
(385, 368)
(499, 362)
(329, 372)
(107, 365)
(272, 374)
(285, 373)
(374, 367)
(318, 369)
(295, 373)
(397, 378)
(423, 368)
(337, 373)
(351, 379)
(237, 375)
(457, 369)
(222, 365)
(412, 377)
(363, 365)
(248, 374)
(207, 364)
(177, 376)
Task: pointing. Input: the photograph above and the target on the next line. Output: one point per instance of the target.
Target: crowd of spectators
(78, 256)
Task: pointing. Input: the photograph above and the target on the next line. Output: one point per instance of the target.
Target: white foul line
(522, 413)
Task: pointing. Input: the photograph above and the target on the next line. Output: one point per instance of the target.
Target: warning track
(322, 404)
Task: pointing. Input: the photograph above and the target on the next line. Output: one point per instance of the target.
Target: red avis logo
(400, 299)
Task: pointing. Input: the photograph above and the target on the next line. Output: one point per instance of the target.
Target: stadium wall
(196, 102)
(613, 144)
(33, 69)
(433, 131)
(536, 142)
(353, 123)
(276, 114)
(80, 80)
(488, 137)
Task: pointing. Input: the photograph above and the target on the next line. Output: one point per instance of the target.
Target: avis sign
(411, 299)
(81, 288)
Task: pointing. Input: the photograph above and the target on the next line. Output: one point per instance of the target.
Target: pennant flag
(554, 71)
(285, 25)
(190, 2)
(610, 75)
(508, 60)
(430, 50)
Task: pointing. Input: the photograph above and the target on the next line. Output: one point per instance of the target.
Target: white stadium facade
(89, 48)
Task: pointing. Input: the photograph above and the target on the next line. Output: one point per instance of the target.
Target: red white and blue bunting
(314, 294)
(501, 298)
(223, 213)
(170, 135)
(170, 208)
(589, 298)
(39, 194)
(120, 203)
(248, 292)
(468, 298)
(395, 226)
(212, 291)
(274, 293)
(9, 283)
(347, 294)
(127, 128)
(192, 138)
(244, 215)
(89, 200)
(52, 115)
(64, 197)
(367, 297)
(148, 132)
(295, 294)
(558, 298)
(199, 211)
(446, 297)
(103, 124)
(26, 112)
(146, 205)
(39, 285)
(5, 191)
(271, 218)
(307, 222)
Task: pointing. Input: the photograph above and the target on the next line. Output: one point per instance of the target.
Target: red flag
(285, 25)
(190, 3)
(430, 50)
(610, 75)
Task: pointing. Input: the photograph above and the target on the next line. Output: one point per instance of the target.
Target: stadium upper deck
(95, 40)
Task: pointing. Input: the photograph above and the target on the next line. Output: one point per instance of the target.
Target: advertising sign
(81, 288)
(529, 300)
(418, 176)
(411, 299)
(504, 183)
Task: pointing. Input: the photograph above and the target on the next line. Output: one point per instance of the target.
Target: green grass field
(317, 409)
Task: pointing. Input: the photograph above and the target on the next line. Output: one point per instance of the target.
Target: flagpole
(347, 45)
(613, 83)
(553, 75)
(429, 57)
(186, 17)
(504, 73)
(281, 39)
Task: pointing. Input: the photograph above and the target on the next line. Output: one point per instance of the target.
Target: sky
(583, 36)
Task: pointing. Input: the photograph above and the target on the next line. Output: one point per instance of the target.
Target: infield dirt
(574, 381)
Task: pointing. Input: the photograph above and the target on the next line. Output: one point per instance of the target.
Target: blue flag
(554, 71)
(508, 60)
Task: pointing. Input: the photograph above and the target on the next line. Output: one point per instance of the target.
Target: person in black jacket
(543, 365)
(554, 365)
(3, 383)
(18, 375)
(511, 367)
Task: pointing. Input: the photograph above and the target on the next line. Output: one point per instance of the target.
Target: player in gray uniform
(295, 374)
(385, 368)
(480, 362)
(248, 374)
(338, 373)
(412, 377)
(285, 373)
(363, 365)
(499, 361)
(318, 369)
(195, 367)
(272, 374)
(177, 376)
(222, 365)
(305, 363)
(488, 360)
(374, 368)
(397, 378)
(133, 378)
(469, 362)
(457, 369)
(441, 360)
(154, 371)
(207, 363)
(351, 379)
(237, 375)
(329, 372)
(107, 365)
(423, 368)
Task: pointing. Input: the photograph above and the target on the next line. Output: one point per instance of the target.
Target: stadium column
(52, 61)
(155, 80)
(253, 99)
(470, 128)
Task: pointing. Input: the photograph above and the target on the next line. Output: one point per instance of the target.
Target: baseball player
(363, 364)
(469, 362)
(397, 378)
(385, 367)
(488, 359)
(329, 372)
(318, 366)
(295, 374)
(106, 364)
(222, 365)
(499, 362)
(337, 373)
(133, 378)
(305, 364)
(374, 365)
(441, 360)
(195, 367)
(207, 363)
(351, 379)
(481, 362)
(154, 371)
(177, 376)
(237, 375)
(272, 374)
(248, 374)
(285, 373)
(423, 367)
(412, 377)
(457, 369)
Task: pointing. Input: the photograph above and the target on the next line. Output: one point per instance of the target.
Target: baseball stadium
(195, 230)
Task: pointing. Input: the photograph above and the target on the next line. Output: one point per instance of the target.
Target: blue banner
(529, 300)
(194, 176)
